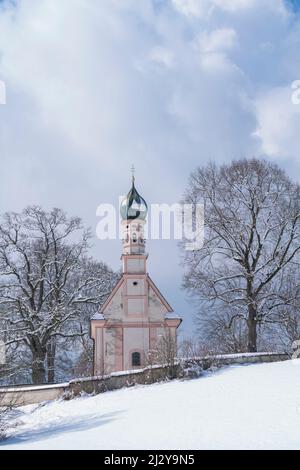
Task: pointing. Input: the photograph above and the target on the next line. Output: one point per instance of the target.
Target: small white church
(135, 316)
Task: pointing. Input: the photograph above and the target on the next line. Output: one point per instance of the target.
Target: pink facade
(136, 318)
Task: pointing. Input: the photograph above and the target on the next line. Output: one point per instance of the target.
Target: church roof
(111, 295)
(159, 294)
(116, 288)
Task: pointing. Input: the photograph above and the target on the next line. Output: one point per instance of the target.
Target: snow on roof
(172, 315)
(98, 316)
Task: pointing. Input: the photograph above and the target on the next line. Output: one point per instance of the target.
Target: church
(130, 325)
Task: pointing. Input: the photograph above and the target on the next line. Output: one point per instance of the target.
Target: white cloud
(278, 123)
(203, 8)
(217, 40)
(162, 56)
(213, 47)
(237, 5)
(192, 8)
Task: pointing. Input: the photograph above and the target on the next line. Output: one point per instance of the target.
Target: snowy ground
(240, 407)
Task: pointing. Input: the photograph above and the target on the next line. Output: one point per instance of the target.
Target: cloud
(278, 123)
(213, 47)
(162, 56)
(192, 8)
(204, 8)
(236, 5)
(217, 40)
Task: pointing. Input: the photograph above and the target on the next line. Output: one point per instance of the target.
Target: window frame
(136, 359)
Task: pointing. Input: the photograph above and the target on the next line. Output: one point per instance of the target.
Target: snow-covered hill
(248, 407)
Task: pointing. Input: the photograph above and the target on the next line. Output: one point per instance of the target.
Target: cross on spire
(133, 174)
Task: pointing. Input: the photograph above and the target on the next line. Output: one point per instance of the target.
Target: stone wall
(118, 380)
(20, 396)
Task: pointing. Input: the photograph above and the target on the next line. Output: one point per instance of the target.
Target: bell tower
(133, 213)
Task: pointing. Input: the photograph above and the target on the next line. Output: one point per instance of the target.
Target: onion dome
(133, 206)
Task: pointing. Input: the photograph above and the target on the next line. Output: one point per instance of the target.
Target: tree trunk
(38, 369)
(51, 348)
(252, 329)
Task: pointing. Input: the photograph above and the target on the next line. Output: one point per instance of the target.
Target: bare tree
(224, 334)
(45, 282)
(287, 308)
(252, 222)
(190, 348)
(165, 353)
(8, 402)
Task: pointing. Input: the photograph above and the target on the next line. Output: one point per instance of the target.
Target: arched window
(136, 359)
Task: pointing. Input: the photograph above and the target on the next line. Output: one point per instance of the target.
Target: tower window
(135, 283)
(136, 359)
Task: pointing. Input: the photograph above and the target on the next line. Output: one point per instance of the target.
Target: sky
(93, 87)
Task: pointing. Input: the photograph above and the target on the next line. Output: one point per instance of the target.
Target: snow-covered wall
(21, 396)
